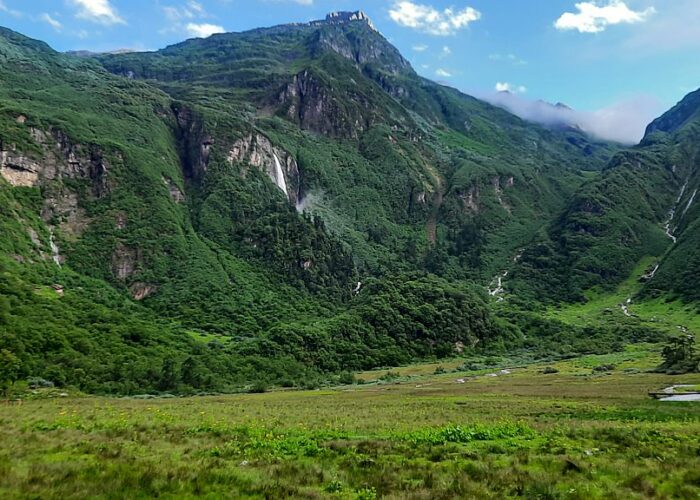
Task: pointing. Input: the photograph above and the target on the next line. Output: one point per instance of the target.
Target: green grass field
(576, 433)
(659, 313)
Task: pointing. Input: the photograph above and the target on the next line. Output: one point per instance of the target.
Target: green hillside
(642, 205)
(285, 204)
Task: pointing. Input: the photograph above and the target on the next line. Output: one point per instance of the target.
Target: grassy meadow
(570, 429)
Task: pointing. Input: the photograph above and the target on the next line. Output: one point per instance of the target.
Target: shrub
(334, 487)
(347, 378)
(388, 376)
(258, 388)
(603, 368)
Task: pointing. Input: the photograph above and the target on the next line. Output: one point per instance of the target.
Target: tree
(10, 366)
(192, 373)
(4, 310)
(168, 375)
(680, 355)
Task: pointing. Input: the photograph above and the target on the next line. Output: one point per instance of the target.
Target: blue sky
(636, 57)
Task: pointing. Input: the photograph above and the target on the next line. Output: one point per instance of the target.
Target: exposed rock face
(64, 205)
(195, 144)
(312, 105)
(34, 236)
(471, 199)
(347, 17)
(60, 160)
(498, 191)
(258, 151)
(125, 261)
(140, 291)
(360, 49)
(19, 170)
(176, 193)
(63, 159)
(121, 221)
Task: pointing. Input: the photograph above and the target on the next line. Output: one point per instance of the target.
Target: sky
(619, 63)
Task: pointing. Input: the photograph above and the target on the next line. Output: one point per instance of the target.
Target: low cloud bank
(623, 122)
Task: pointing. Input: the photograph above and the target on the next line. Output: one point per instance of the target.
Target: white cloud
(594, 18)
(443, 73)
(673, 28)
(420, 47)
(204, 30)
(98, 11)
(509, 87)
(623, 122)
(446, 50)
(4, 8)
(190, 10)
(183, 19)
(196, 7)
(509, 58)
(176, 13)
(430, 20)
(54, 23)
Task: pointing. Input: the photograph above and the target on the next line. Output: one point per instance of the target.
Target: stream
(669, 230)
(495, 287)
(674, 396)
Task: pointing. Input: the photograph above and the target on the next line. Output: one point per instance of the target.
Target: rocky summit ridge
(344, 17)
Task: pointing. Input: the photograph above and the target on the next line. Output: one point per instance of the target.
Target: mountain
(643, 205)
(340, 80)
(285, 203)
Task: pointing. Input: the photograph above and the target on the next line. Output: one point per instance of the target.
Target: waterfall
(55, 255)
(690, 203)
(498, 281)
(279, 176)
(672, 213)
(653, 271)
(680, 195)
(626, 308)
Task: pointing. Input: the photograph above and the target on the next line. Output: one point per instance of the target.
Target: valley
(281, 263)
(573, 433)
(225, 206)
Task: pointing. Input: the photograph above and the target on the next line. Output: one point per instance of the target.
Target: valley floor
(425, 431)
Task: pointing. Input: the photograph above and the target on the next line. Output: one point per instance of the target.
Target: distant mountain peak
(687, 110)
(345, 17)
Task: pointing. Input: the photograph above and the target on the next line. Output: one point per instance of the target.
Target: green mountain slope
(408, 172)
(642, 205)
(149, 246)
(289, 202)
